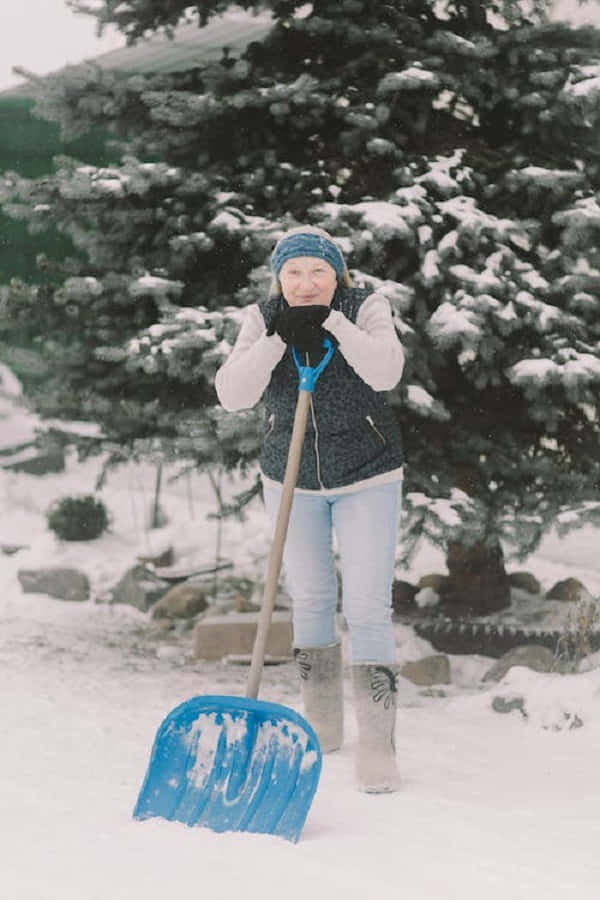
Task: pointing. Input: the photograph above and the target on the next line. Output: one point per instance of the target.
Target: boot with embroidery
(321, 680)
(375, 705)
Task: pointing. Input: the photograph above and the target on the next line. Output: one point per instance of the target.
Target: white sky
(589, 14)
(44, 35)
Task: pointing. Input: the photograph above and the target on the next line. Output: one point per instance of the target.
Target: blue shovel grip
(309, 374)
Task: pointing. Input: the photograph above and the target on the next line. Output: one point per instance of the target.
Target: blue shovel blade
(232, 764)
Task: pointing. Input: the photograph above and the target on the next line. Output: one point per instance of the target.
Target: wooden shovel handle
(276, 552)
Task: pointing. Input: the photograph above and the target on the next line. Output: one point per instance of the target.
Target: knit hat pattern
(308, 243)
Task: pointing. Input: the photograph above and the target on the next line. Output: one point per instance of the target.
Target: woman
(349, 481)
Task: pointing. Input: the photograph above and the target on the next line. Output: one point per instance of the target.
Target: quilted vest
(351, 434)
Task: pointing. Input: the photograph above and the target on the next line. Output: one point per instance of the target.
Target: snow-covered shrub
(577, 639)
(78, 518)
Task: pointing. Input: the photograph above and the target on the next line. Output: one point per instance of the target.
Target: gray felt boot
(322, 686)
(375, 706)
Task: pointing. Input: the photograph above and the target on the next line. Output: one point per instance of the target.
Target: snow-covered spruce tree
(455, 156)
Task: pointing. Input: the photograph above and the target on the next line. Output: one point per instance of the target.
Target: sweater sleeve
(370, 346)
(243, 377)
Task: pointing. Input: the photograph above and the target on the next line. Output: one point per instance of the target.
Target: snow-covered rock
(56, 581)
(551, 701)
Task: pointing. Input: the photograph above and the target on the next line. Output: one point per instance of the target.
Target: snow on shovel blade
(232, 764)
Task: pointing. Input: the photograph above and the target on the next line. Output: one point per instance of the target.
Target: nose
(307, 282)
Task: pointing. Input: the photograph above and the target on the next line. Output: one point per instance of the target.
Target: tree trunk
(156, 519)
(476, 15)
(477, 583)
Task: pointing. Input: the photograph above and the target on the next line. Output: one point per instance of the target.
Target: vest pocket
(350, 455)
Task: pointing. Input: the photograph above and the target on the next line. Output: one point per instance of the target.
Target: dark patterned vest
(352, 433)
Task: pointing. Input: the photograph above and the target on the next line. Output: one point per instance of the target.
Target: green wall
(28, 146)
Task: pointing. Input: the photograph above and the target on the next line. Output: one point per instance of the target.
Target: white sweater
(370, 346)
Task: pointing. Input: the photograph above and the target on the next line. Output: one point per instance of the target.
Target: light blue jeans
(365, 523)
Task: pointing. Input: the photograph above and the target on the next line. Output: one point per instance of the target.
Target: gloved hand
(301, 326)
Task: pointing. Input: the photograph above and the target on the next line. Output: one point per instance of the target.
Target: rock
(434, 581)
(139, 587)
(571, 590)
(34, 460)
(569, 721)
(553, 718)
(166, 558)
(11, 549)
(59, 582)
(184, 601)
(525, 581)
(403, 596)
(533, 656)
(241, 603)
(216, 637)
(552, 702)
(507, 705)
(427, 596)
(428, 671)
(187, 571)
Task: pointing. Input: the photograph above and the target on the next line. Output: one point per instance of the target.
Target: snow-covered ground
(492, 805)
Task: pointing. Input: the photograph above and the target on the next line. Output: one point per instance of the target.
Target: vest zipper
(271, 425)
(314, 421)
(375, 429)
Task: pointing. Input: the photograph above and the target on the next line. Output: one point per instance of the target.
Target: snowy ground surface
(493, 806)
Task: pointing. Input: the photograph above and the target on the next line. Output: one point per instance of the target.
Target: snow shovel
(233, 763)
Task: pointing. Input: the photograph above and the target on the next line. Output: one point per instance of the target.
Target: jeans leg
(309, 566)
(366, 527)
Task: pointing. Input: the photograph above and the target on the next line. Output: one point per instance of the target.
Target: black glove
(301, 326)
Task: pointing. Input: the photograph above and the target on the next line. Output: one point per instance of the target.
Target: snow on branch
(583, 83)
(449, 326)
(480, 282)
(474, 221)
(578, 372)
(541, 177)
(232, 220)
(92, 182)
(414, 78)
(577, 516)
(579, 221)
(387, 220)
(421, 402)
(189, 343)
(154, 286)
(434, 517)
(400, 296)
(448, 42)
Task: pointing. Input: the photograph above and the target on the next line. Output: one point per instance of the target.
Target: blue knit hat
(308, 243)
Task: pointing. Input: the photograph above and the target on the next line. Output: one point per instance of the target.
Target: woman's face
(306, 280)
